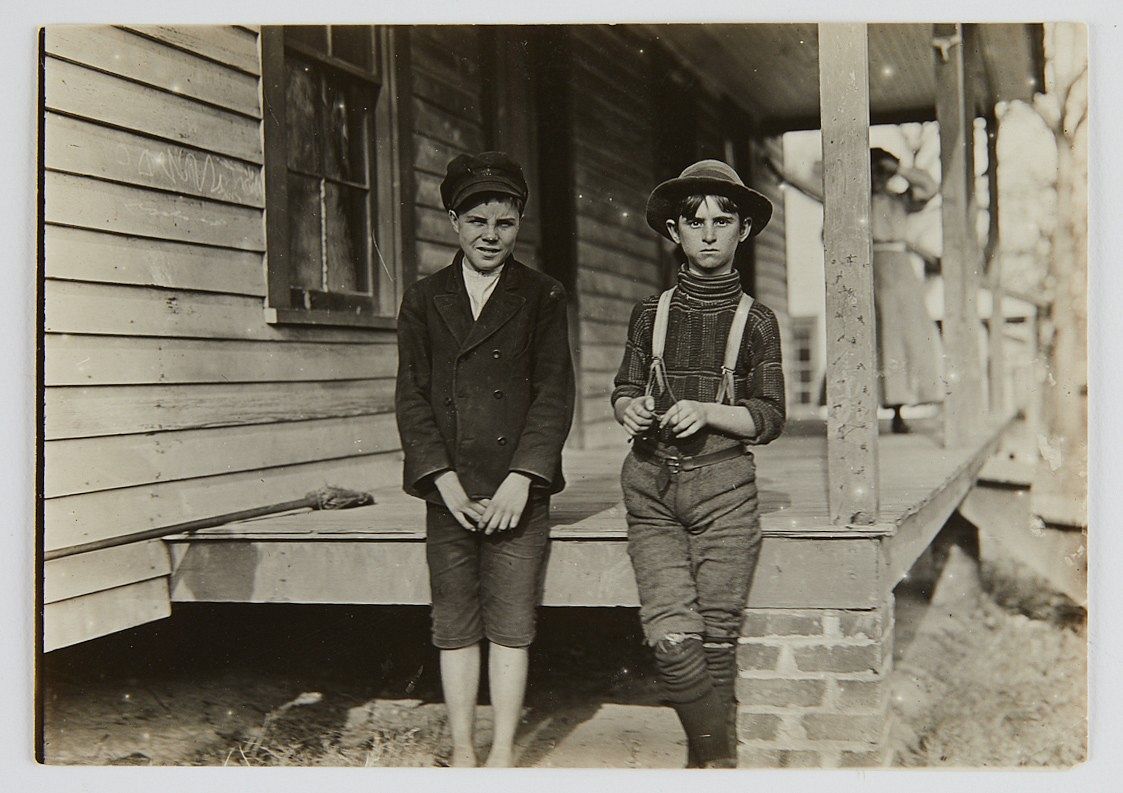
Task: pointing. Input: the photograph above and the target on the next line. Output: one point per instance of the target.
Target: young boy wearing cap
(484, 402)
(700, 382)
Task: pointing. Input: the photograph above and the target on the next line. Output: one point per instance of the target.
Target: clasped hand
(684, 418)
(499, 513)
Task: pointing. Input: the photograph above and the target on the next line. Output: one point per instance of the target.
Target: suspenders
(658, 371)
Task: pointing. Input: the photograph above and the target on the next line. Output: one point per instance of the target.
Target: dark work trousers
(694, 545)
(694, 540)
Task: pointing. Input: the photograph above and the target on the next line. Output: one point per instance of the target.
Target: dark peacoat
(488, 396)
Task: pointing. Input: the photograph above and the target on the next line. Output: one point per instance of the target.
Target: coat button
(497, 394)
(501, 441)
(448, 400)
(496, 354)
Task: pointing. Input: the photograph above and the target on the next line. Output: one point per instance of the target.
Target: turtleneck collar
(718, 287)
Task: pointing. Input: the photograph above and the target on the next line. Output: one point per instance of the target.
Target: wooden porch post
(852, 389)
(997, 325)
(960, 261)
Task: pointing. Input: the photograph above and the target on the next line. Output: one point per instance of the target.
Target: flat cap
(488, 172)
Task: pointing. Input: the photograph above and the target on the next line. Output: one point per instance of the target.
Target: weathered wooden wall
(450, 104)
(168, 396)
(618, 258)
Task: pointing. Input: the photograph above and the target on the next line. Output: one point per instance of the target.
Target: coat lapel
(503, 304)
(453, 304)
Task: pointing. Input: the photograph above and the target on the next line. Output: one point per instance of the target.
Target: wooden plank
(76, 620)
(432, 256)
(105, 206)
(438, 124)
(962, 405)
(852, 392)
(603, 308)
(613, 332)
(608, 236)
(432, 156)
(84, 465)
(145, 61)
(432, 225)
(792, 573)
(81, 255)
(644, 271)
(72, 360)
(112, 513)
(141, 311)
(84, 412)
(599, 282)
(232, 46)
(78, 147)
(73, 576)
(96, 96)
(451, 96)
(601, 358)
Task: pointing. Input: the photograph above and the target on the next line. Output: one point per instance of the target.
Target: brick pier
(813, 687)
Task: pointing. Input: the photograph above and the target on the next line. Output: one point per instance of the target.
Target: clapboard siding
(169, 397)
(130, 460)
(84, 412)
(120, 310)
(97, 96)
(81, 255)
(448, 121)
(771, 251)
(234, 46)
(87, 149)
(107, 206)
(71, 520)
(100, 613)
(74, 360)
(142, 60)
(614, 170)
(73, 576)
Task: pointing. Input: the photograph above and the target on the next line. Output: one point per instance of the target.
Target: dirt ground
(304, 685)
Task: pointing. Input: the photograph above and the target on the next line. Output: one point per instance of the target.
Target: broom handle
(192, 525)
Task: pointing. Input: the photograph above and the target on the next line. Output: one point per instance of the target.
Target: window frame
(387, 251)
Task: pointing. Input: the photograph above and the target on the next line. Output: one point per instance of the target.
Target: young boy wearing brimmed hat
(484, 402)
(693, 408)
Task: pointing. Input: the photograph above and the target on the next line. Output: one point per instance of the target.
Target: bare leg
(460, 678)
(507, 676)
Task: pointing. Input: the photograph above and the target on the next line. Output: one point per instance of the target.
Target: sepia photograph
(646, 395)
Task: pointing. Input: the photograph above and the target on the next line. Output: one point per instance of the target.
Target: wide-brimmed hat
(707, 177)
(488, 172)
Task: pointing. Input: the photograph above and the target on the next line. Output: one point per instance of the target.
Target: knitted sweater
(701, 314)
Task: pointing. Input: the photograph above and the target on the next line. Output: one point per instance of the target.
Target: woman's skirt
(908, 342)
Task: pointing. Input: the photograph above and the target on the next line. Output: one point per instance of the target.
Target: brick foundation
(813, 688)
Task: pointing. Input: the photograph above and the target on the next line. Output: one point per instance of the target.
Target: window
(333, 231)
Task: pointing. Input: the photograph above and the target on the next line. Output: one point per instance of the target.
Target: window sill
(321, 318)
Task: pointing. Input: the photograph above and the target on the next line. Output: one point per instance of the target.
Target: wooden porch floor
(791, 477)
(376, 554)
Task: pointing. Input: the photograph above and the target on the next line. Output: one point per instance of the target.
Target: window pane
(351, 43)
(314, 36)
(302, 98)
(347, 124)
(304, 232)
(345, 234)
